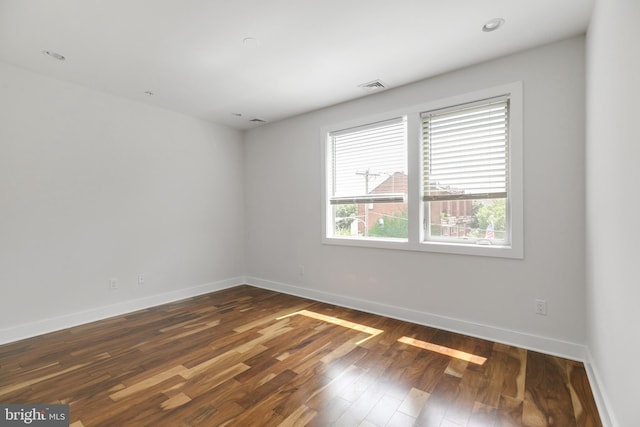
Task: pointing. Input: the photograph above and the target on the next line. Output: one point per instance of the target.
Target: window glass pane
(467, 221)
(374, 220)
(368, 181)
(465, 167)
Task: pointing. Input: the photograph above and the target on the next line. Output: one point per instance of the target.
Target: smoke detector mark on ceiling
(251, 42)
(373, 85)
(54, 55)
(493, 25)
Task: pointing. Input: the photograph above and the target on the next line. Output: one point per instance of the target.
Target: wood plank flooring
(251, 357)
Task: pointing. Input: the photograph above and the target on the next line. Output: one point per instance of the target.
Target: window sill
(434, 247)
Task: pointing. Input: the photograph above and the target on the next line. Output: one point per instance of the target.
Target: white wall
(476, 295)
(613, 175)
(92, 187)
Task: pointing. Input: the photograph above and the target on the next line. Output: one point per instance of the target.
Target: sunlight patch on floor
(340, 322)
(468, 357)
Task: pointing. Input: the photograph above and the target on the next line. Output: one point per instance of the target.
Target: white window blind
(364, 157)
(465, 151)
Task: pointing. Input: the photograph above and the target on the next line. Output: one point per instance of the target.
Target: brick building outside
(448, 218)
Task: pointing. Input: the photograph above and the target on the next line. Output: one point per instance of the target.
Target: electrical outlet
(113, 283)
(141, 279)
(541, 307)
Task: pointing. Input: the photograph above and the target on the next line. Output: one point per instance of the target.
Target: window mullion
(414, 169)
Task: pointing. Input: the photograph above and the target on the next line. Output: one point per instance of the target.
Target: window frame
(416, 233)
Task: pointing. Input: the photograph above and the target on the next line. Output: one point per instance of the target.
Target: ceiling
(300, 55)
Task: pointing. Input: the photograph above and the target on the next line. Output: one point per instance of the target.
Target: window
(443, 177)
(368, 188)
(465, 173)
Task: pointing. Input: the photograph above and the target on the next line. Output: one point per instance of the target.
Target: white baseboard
(546, 345)
(602, 402)
(40, 327)
(533, 342)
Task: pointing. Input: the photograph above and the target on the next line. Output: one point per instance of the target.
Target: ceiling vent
(258, 120)
(373, 86)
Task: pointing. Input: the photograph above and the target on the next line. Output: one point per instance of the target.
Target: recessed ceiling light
(54, 55)
(492, 25)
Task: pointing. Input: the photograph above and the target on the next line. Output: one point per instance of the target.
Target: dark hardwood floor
(251, 357)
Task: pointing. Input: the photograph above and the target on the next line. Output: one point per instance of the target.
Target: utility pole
(367, 174)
